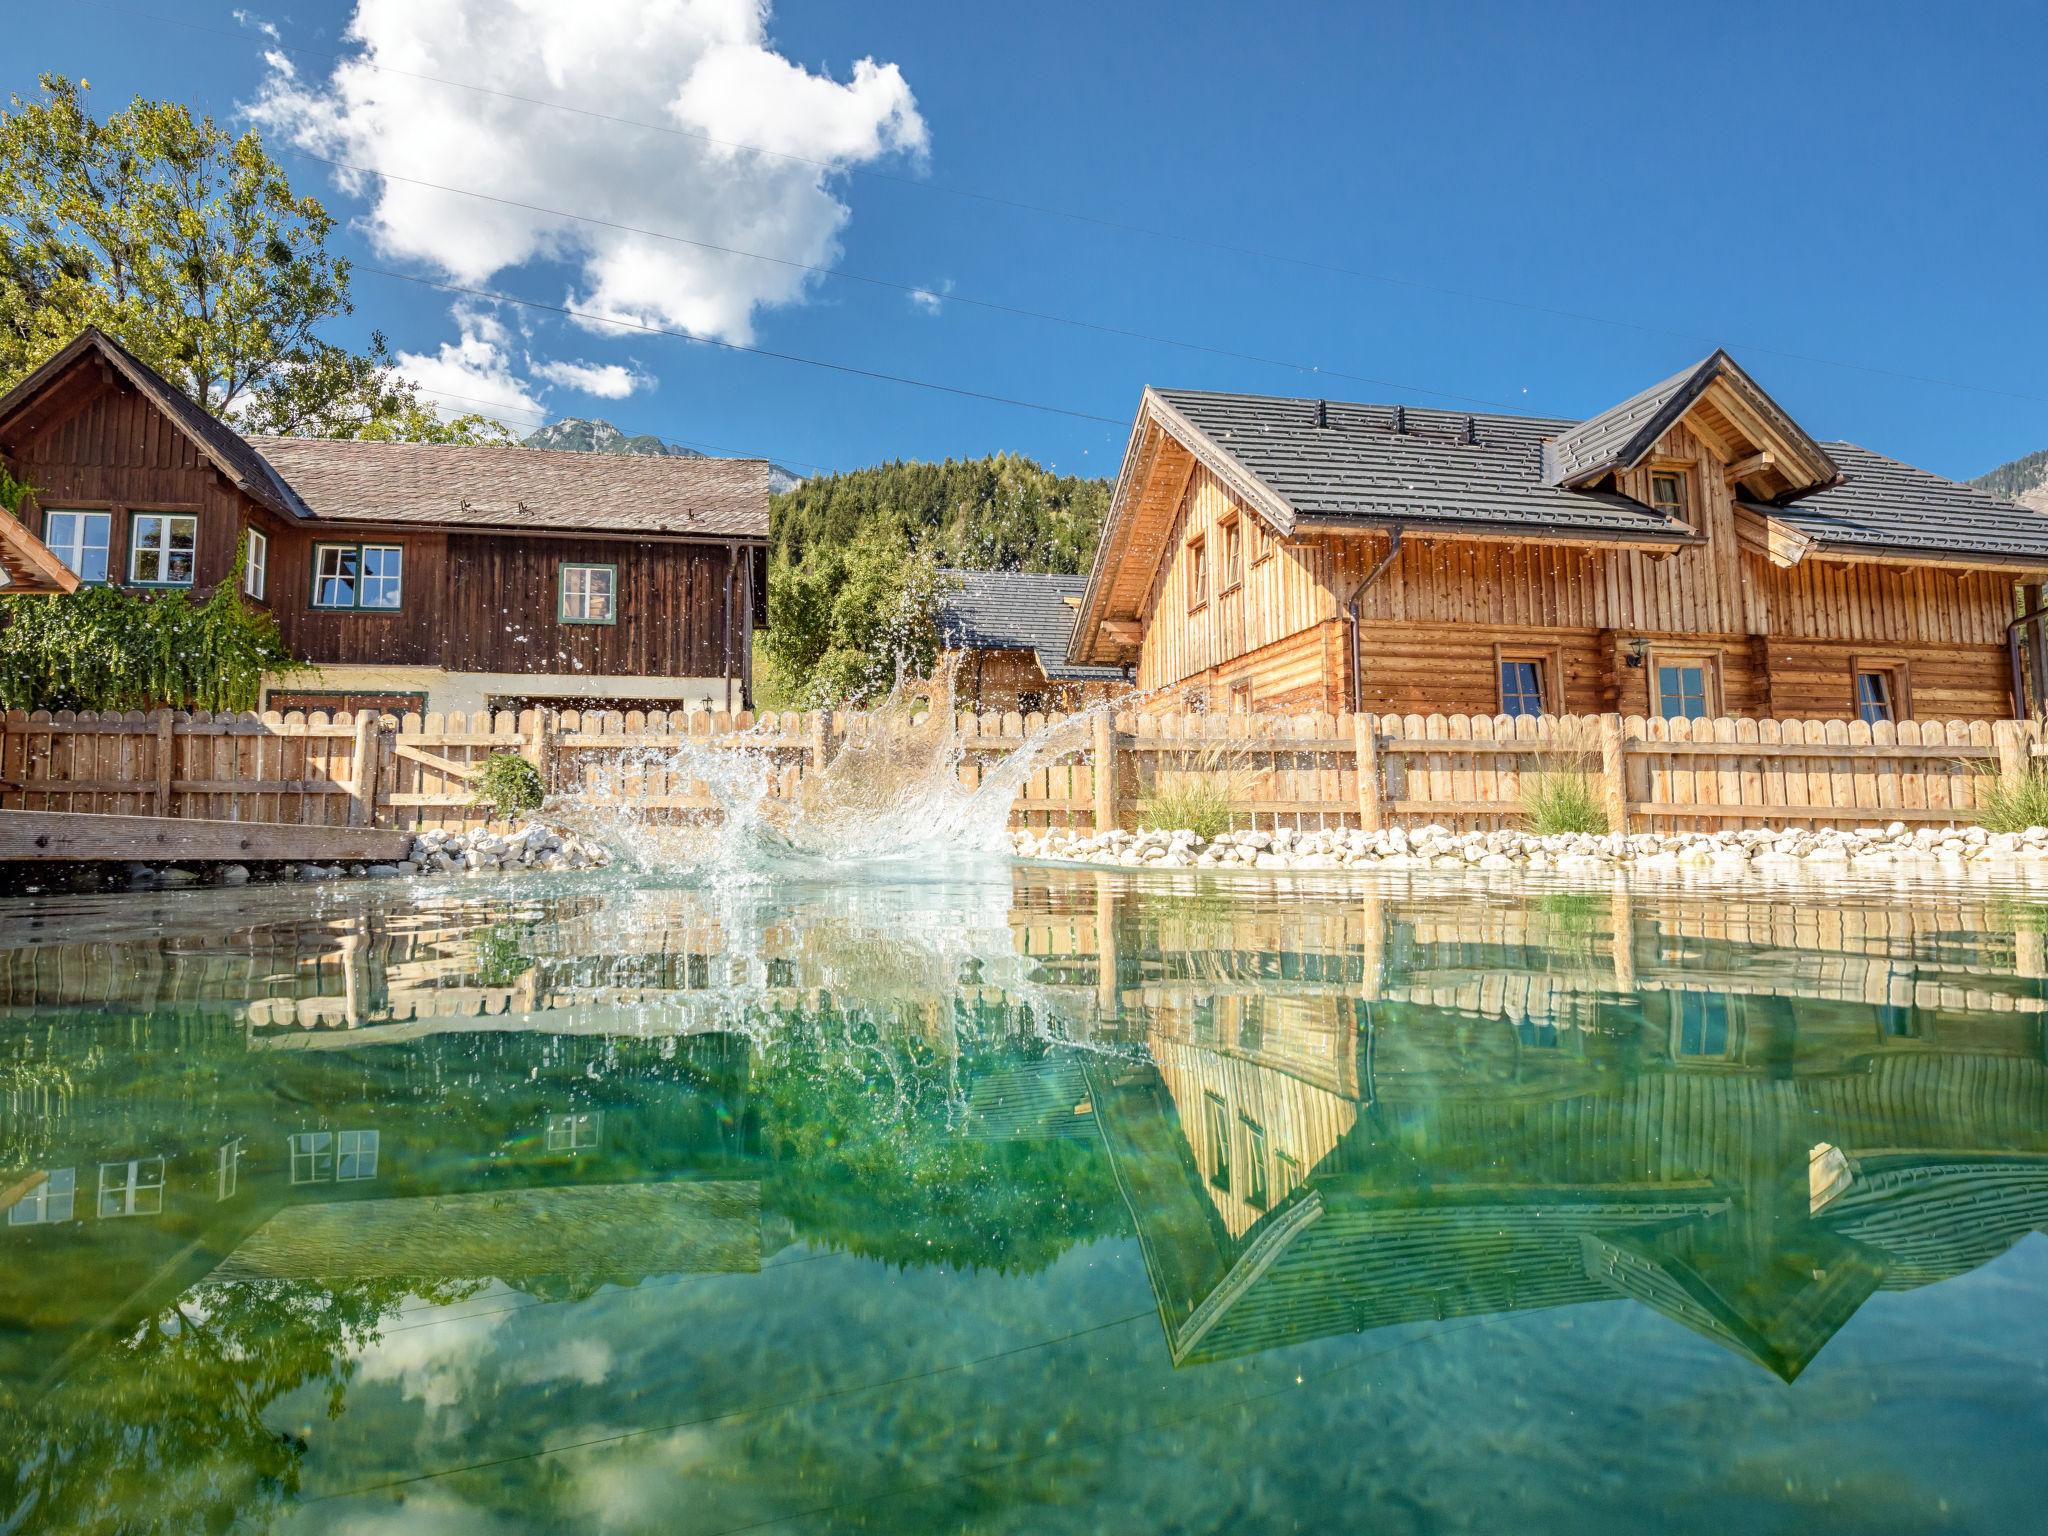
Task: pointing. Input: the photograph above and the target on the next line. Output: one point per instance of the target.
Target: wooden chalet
(412, 576)
(1691, 552)
(1009, 632)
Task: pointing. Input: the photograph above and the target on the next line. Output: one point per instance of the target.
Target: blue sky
(1544, 207)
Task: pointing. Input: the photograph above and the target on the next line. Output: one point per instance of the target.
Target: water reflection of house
(1455, 1187)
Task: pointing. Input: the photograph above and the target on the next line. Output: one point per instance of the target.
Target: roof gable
(217, 442)
(1777, 452)
(1017, 611)
(27, 563)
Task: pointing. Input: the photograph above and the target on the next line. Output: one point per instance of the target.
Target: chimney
(1472, 429)
(1323, 413)
(1401, 420)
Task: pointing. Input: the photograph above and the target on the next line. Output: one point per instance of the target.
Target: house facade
(411, 576)
(1007, 633)
(1691, 552)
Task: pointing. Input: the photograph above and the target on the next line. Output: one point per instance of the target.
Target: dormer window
(1670, 494)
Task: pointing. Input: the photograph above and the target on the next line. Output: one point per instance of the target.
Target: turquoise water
(999, 1200)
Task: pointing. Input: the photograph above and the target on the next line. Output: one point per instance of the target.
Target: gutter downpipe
(2012, 647)
(1351, 615)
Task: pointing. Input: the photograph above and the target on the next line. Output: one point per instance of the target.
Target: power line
(1180, 237)
(914, 290)
(614, 321)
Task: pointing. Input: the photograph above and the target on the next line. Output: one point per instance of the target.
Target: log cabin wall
(997, 681)
(1785, 643)
(413, 634)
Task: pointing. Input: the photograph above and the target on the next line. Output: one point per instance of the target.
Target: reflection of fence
(1304, 771)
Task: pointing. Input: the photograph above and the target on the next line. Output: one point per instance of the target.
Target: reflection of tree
(858, 1121)
(164, 1429)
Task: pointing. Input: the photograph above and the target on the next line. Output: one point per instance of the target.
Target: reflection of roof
(591, 1231)
(1031, 1101)
(1016, 611)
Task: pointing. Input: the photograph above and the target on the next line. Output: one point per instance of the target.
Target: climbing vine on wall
(104, 649)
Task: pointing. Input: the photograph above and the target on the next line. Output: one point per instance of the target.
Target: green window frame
(362, 578)
(580, 598)
(171, 541)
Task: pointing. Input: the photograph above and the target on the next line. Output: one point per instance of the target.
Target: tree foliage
(854, 583)
(188, 245)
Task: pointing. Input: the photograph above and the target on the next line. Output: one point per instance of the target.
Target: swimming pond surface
(997, 1199)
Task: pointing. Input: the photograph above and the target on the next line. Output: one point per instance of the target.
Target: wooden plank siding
(1786, 642)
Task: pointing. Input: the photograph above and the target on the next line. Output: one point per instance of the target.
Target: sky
(1535, 208)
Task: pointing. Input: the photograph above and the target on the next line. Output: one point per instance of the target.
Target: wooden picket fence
(1305, 771)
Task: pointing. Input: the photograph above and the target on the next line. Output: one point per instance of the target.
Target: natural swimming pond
(995, 1199)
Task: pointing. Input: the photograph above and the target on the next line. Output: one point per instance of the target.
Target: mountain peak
(577, 434)
(2023, 480)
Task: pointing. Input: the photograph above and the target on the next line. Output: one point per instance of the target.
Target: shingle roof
(1016, 611)
(1885, 506)
(444, 483)
(1416, 467)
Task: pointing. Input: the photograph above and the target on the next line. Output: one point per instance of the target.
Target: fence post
(166, 759)
(1613, 771)
(821, 751)
(362, 790)
(1105, 772)
(2011, 747)
(1365, 732)
(540, 751)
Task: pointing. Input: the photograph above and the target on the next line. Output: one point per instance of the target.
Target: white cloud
(706, 66)
(607, 381)
(474, 374)
(930, 300)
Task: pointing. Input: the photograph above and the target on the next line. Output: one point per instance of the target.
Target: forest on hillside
(854, 581)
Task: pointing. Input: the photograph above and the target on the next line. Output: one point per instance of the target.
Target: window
(1668, 494)
(1685, 689)
(230, 1170)
(312, 1155)
(1241, 698)
(590, 594)
(1256, 1190)
(357, 1157)
(1233, 553)
(1703, 1025)
(133, 1188)
(1219, 1142)
(256, 566)
(1262, 543)
(1198, 573)
(50, 1201)
(1877, 695)
(1898, 1021)
(1521, 686)
(162, 549)
(80, 539)
(575, 1132)
(360, 576)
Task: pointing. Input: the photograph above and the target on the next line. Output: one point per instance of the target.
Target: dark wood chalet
(1691, 552)
(1009, 631)
(411, 575)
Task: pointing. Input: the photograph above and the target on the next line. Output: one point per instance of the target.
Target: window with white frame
(80, 540)
(162, 549)
(358, 576)
(355, 1156)
(256, 566)
(50, 1201)
(575, 1132)
(133, 1188)
(312, 1154)
(590, 594)
(230, 1170)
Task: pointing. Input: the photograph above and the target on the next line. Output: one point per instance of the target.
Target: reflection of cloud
(585, 1360)
(432, 1356)
(427, 1514)
(635, 1487)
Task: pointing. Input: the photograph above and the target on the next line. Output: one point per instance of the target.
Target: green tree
(845, 623)
(188, 245)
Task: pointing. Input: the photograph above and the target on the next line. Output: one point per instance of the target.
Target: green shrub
(1555, 803)
(509, 784)
(2012, 804)
(101, 648)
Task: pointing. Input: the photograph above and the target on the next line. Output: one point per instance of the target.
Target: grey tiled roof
(1358, 466)
(1617, 436)
(1017, 611)
(1883, 505)
(460, 485)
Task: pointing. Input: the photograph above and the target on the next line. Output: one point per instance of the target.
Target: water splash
(892, 791)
